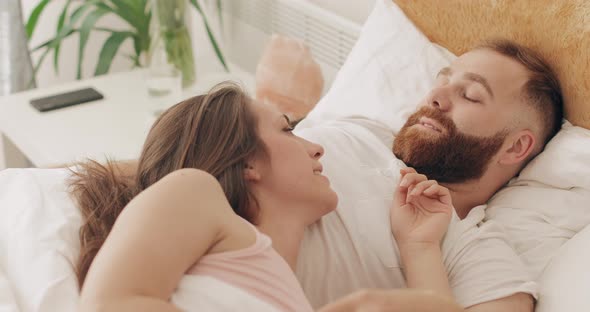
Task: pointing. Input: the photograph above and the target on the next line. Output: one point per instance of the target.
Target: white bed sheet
(7, 299)
(38, 238)
(39, 244)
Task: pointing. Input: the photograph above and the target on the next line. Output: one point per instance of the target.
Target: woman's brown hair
(216, 132)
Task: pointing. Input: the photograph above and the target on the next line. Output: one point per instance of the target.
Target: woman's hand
(421, 211)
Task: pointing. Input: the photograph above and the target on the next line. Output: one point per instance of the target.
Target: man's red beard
(447, 157)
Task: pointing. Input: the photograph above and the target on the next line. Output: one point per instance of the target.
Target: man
(488, 114)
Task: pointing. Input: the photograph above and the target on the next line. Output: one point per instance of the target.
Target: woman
(216, 171)
(211, 167)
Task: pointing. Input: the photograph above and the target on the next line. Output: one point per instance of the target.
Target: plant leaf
(138, 18)
(34, 18)
(85, 30)
(51, 42)
(60, 24)
(68, 29)
(109, 50)
(43, 45)
(210, 34)
(65, 32)
(130, 13)
(220, 11)
(38, 65)
(105, 29)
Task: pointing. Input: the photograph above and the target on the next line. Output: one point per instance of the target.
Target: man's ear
(521, 145)
(251, 174)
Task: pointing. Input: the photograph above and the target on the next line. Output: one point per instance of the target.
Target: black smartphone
(66, 99)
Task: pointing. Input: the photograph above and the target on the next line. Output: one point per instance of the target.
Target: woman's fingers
(440, 192)
(407, 170)
(400, 194)
(412, 178)
(420, 187)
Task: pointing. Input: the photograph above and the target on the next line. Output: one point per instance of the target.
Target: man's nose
(440, 100)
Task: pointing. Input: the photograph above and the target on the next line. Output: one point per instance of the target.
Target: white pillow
(566, 281)
(7, 299)
(389, 70)
(39, 238)
(549, 202)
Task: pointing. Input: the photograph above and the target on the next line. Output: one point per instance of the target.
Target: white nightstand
(113, 128)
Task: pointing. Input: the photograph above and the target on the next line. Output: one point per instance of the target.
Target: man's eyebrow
(481, 80)
(447, 71)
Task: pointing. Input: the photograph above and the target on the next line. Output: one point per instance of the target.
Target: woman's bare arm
(158, 236)
(407, 300)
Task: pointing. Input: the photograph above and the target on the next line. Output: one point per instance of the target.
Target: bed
(388, 72)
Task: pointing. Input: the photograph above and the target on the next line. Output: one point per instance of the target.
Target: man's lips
(431, 124)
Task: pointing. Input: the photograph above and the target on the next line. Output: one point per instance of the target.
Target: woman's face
(290, 173)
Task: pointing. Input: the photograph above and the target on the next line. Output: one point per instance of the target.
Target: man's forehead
(490, 64)
(501, 71)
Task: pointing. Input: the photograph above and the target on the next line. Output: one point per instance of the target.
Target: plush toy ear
(288, 77)
(520, 148)
(556, 29)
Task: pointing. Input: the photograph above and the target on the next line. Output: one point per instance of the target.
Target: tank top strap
(261, 243)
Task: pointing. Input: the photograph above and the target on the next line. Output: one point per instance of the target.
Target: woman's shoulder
(206, 194)
(186, 193)
(190, 177)
(188, 185)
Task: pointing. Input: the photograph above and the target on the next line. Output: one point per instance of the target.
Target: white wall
(355, 10)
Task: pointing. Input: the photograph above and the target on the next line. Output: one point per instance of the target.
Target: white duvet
(38, 245)
(204, 293)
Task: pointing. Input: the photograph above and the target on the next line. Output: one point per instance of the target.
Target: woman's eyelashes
(291, 124)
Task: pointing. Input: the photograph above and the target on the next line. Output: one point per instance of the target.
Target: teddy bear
(288, 77)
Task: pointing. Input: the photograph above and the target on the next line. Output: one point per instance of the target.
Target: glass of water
(163, 81)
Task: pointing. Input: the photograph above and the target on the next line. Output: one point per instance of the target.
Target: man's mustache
(434, 114)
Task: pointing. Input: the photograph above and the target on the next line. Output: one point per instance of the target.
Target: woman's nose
(316, 151)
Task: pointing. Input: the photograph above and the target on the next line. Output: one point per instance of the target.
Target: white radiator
(248, 25)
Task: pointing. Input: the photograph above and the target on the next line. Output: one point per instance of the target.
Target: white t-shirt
(353, 248)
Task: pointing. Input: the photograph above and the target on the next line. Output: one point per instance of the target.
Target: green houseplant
(138, 14)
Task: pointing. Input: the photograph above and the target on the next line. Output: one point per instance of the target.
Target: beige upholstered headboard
(558, 29)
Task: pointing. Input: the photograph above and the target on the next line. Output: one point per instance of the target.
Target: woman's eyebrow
(287, 119)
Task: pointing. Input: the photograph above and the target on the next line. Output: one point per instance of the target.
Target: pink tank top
(260, 271)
